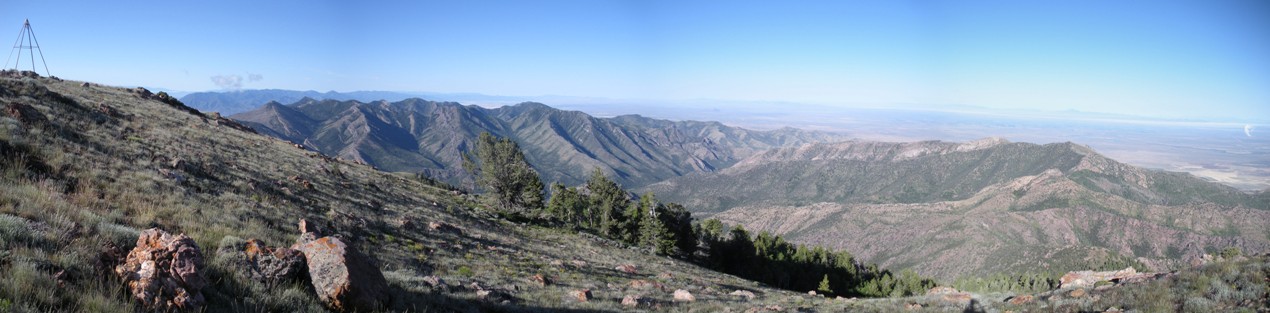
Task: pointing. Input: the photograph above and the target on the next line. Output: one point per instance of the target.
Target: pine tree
(678, 221)
(824, 285)
(566, 204)
(607, 199)
(501, 169)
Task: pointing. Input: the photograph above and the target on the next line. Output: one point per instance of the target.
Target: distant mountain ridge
(987, 206)
(417, 135)
(238, 101)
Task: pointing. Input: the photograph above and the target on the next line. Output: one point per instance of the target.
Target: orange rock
(343, 278)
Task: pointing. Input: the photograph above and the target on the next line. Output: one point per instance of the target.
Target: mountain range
(118, 200)
(974, 208)
(416, 135)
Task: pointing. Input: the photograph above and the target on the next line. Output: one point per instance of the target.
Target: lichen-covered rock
(343, 278)
(164, 272)
(274, 265)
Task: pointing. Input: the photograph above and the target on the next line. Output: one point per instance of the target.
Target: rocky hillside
(100, 185)
(976, 208)
(415, 135)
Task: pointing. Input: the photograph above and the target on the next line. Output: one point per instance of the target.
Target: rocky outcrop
(343, 278)
(1089, 278)
(164, 272)
(941, 290)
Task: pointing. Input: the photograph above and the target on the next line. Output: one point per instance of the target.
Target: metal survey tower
(26, 40)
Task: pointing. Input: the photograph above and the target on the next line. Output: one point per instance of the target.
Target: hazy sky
(1152, 58)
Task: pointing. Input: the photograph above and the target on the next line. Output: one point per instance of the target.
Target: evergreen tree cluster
(603, 207)
(1020, 283)
(770, 259)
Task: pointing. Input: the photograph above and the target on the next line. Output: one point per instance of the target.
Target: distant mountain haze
(416, 135)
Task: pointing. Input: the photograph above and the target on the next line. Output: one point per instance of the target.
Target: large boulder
(164, 272)
(343, 278)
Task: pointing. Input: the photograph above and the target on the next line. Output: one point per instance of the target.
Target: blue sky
(1177, 59)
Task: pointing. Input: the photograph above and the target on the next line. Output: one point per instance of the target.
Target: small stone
(309, 227)
(1079, 292)
(632, 300)
(434, 281)
(582, 295)
(743, 293)
(626, 268)
(684, 296)
(494, 296)
(541, 281)
(443, 227)
(641, 284)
